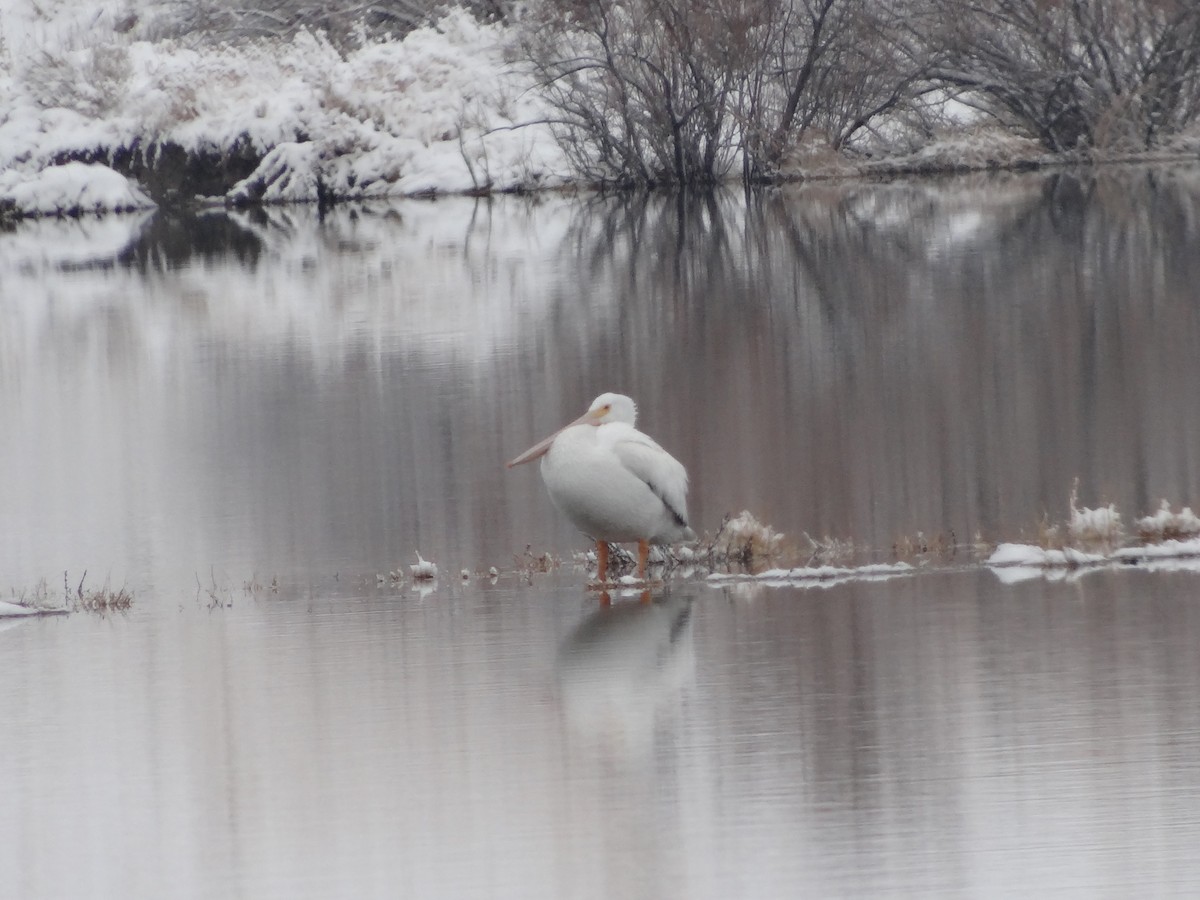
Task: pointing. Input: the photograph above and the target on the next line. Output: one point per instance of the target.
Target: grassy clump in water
(103, 599)
(38, 597)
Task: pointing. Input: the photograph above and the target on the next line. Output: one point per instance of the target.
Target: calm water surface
(201, 410)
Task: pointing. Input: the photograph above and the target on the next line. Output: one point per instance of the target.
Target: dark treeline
(674, 90)
(680, 91)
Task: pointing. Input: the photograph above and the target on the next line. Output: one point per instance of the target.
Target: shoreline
(109, 120)
(136, 179)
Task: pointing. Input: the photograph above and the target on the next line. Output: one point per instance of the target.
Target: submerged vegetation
(78, 597)
(745, 547)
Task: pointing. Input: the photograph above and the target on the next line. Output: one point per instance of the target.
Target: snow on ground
(817, 576)
(1171, 549)
(1097, 539)
(439, 111)
(72, 188)
(1012, 563)
(1031, 555)
(15, 610)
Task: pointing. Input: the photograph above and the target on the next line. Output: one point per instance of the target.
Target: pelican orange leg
(602, 561)
(643, 558)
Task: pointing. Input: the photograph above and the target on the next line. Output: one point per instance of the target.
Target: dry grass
(1097, 529)
(830, 551)
(917, 545)
(1166, 525)
(103, 599)
(37, 597)
(77, 597)
(530, 563)
(743, 540)
(254, 587)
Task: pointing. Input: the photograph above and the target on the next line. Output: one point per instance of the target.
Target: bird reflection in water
(622, 666)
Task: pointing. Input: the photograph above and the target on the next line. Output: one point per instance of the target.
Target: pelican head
(611, 408)
(605, 409)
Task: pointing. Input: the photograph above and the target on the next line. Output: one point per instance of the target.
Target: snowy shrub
(1166, 525)
(91, 81)
(744, 539)
(1094, 528)
(289, 172)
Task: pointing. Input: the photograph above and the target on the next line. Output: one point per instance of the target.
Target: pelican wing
(662, 473)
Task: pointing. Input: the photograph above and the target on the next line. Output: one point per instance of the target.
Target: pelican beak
(540, 448)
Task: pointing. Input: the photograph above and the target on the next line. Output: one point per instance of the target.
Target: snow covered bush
(91, 81)
(744, 539)
(1166, 525)
(1099, 528)
(286, 119)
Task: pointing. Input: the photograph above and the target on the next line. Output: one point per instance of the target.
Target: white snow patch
(71, 189)
(16, 609)
(817, 575)
(1042, 557)
(13, 610)
(423, 569)
(1018, 562)
(1017, 555)
(1171, 549)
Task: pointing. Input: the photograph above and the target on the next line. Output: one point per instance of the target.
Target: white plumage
(614, 483)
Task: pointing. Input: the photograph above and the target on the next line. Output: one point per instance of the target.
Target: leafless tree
(642, 89)
(836, 67)
(653, 91)
(1077, 73)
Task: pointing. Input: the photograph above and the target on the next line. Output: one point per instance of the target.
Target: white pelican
(613, 482)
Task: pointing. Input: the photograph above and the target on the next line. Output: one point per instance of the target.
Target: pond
(251, 420)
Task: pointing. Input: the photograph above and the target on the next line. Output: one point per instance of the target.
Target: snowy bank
(441, 111)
